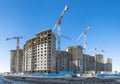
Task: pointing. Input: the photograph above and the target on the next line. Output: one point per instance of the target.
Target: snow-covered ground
(6, 81)
(18, 82)
(42, 80)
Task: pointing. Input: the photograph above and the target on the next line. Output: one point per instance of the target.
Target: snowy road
(6, 81)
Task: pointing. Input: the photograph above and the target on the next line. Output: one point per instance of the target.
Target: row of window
(49, 48)
(44, 55)
(43, 68)
(42, 64)
(42, 45)
(40, 56)
(44, 61)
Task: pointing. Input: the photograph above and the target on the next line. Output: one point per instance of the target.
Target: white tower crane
(58, 25)
(101, 50)
(85, 41)
(97, 49)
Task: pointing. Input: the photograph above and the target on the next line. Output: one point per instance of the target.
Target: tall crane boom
(17, 48)
(85, 41)
(97, 50)
(17, 38)
(60, 18)
(57, 25)
(62, 14)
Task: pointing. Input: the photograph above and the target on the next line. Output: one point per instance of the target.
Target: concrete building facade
(76, 54)
(88, 63)
(99, 63)
(13, 65)
(84, 63)
(62, 61)
(40, 53)
(108, 65)
(96, 63)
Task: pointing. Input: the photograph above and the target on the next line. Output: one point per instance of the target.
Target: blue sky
(28, 17)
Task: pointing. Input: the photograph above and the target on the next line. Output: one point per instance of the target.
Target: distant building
(76, 54)
(62, 61)
(40, 53)
(108, 65)
(99, 63)
(14, 61)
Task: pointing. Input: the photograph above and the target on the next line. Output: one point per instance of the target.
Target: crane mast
(85, 40)
(17, 48)
(58, 25)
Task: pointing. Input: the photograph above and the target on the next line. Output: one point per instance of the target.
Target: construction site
(42, 57)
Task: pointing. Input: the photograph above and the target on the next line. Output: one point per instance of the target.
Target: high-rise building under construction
(13, 65)
(40, 53)
(108, 64)
(76, 54)
(62, 61)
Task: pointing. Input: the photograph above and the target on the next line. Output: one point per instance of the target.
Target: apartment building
(96, 63)
(99, 63)
(76, 54)
(13, 64)
(85, 63)
(40, 53)
(62, 61)
(88, 63)
(108, 65)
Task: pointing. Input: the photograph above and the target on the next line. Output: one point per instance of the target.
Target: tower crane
(58, 25)
(17, 48)
(85, 41)
(95, 50)
(101, 50)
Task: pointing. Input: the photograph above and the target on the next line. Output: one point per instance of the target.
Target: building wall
(108, 65)
(39, 53)
(99, 64)
(76, 53)
(89, 63)
(95, 63)
(13, 64)
(62, 61)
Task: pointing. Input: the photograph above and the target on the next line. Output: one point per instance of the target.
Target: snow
(18, 82)
(6, 81)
